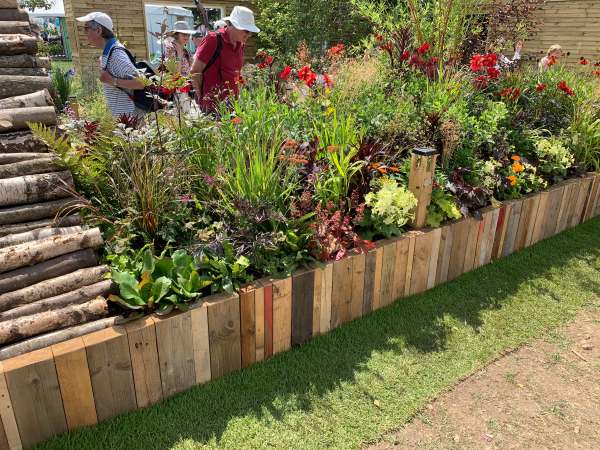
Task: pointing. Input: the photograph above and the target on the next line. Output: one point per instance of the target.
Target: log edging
(118, 369)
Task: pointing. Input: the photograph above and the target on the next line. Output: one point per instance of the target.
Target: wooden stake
(420, 181)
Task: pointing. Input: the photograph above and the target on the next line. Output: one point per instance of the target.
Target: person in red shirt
(219, 59)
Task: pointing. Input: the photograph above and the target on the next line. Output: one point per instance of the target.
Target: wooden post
(420, 181)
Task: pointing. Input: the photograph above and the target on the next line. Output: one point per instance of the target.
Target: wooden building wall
(574, 24)
(130, 26)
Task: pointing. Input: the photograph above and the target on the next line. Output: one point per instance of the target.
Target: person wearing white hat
(117, 72)
(175, 48)
(219, 59)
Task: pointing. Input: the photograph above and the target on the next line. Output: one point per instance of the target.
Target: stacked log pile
(51, 286)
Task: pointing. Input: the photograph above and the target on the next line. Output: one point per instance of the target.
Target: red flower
(240, 80)
(597, 73)
(236, 120)
(423, 48)
(597, 64)
(565, 88)
(387, 46)
(540, 87)
(310, 79)
(405, 55)
(336, 50)
(583, 61)
(480, 62)
(481, 82)
(166, 91)
(493, 73)
(285, 73)
(304, 72)
(505, 92)
(434, 60)
(510, 93)
(327, 80)
(185, 89)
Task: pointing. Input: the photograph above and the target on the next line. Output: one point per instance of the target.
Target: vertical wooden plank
(585, 185)
(201, 343)
(436, 237)
(326, 288)
(511, 227)
(590, 203)
(534, 208)
(341, 293)
(35, 395)
(540, 218)
(75, 383)
(490, 236)
(555, 196)
(7, 414)
(377, 281)
(526, 222)
(482, 236)
(596, 207)
(247, 326)
(410, 260)
(111, 373)
(475, 227)
(420, 265)
(358, 285)
(268, 294)
(259, 311)
(3, 439)
(141, 335)
(175, 346)
(574, 211)
(369, 287)
(443, 262)
(224, 334)
(316, 326)
(500, 232)
(282, 315)
(402, 247)
(564, 212)
(387, 272)
(303, 285)
(460, 237)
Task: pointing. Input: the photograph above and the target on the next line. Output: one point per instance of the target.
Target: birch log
(12, 85)
(27, 61)
(35, 235)
(18, 228)
(16, 118)
(29, 71)
(35, 188)
(15, 27)
(39, 98)
(55, 267)
(9, 158)
(32, 167)
(21, 142)
(27, 213)
(24, 327)
(35, 252)
(15, 44)
(13, 14)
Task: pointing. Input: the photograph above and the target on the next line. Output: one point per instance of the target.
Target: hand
(106, 77)
(519, 46)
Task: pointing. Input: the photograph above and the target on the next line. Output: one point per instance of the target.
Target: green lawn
(372, 375)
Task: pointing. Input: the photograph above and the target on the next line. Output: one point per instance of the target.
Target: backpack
(142, 98)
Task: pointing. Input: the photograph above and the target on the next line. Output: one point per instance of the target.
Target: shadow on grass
(415, 324)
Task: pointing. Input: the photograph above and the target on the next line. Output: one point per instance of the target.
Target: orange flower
(515, 158)
(512, 179)
(518, 167)
(236, 120)
(394, 169)
(382, 170)
(375, 165)
(331, 148)
(289, 143)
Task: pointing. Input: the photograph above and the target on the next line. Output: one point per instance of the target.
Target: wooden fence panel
(7, 414)
(201, 343)
(224, 334)
(402, 248)
(259, 312)
(443, 262)
(540, 218)
(420, 265)
(303, 293)
(326, 290)
(369, 287)
(268, 310)
(358, 285)
(500, 231)
(35, 395)
(175, 346)
(526, 222)
(111, 372)
(412, 235)
(377, 280)
(145, 364)
(282, 315)
(461, 230)
(512, 226)
(341, 293)
(436, 236)
(387, 272)
(486, 244)
(475, 226)
(585, 185)
(590, 204)
(247, 326)
(571, 191)
(555, 196)
(317, 294)
(75, 383)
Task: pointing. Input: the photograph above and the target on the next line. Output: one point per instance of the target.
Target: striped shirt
(119, 66)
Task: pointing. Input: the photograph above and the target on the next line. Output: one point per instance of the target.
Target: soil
(545, 395)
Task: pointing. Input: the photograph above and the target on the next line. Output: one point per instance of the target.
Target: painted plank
(341, 293)
(282, 315)
(259, 312)
(268, 310)
(585, 185)
(377, 281)
(387, 272)
(475, 227)
(247, 326)
(303, 293)
(75, 383)
(460, 237)
(512, 227)
(555, 196)
(500, 232)
(175, 352)
(435, 253)
(369, 286)
(35, 395)
(224, 334)
(401, 263)
(443, 262)
(410, 260)
(420, 265)
(201, 343)
(317, 290)
(7, 415)
(111, 372)
(540, 218)
(326, 288)
(358, 285)
(145, 364)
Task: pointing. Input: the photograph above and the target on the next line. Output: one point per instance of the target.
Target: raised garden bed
(105, 373)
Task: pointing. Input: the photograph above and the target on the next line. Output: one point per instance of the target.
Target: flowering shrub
(518, 177)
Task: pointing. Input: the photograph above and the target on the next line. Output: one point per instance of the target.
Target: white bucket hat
(183, 27)
(98, 17)
(243, 19)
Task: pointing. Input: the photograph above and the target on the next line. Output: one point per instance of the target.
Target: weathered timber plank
(303, 293)
(282, 315)
(224, 334)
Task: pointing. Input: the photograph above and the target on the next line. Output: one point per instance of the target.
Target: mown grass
(363, 379)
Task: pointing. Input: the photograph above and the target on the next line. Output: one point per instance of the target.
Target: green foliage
(390, 207)
(61, 84)
(443, 207)
(554, 157)
(583, 139)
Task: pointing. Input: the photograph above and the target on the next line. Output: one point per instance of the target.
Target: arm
(196, 75)
(122, 72)
(204, 53)
(107, 78)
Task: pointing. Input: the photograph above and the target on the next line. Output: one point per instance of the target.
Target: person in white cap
(219, 59)
(175, 48)
(117, 72)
